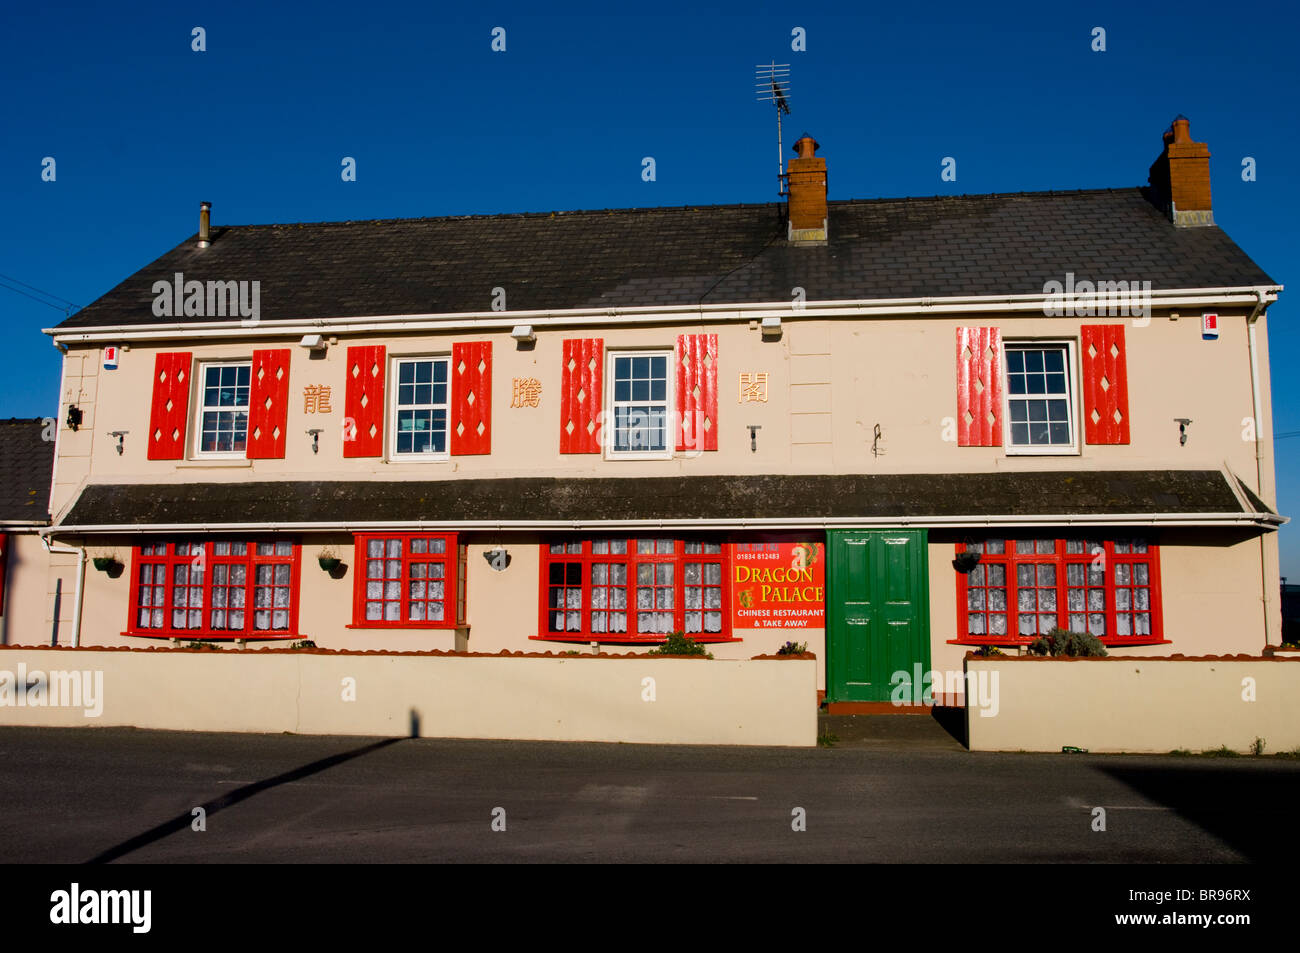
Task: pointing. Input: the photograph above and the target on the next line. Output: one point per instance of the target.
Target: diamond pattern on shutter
(696, 358)
(471, 398)
(581, 389)
(268, 404)
(979, 387)
(363, 402)
(171, 406)
(1105, 384)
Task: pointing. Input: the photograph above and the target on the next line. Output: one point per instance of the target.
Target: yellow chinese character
(316, 399)
(753, 388)
(528, 392)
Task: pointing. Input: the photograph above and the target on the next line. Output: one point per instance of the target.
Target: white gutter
(670, 314)
(810, 522)
(81, 580)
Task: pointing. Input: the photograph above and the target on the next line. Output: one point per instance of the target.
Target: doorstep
(944, 730)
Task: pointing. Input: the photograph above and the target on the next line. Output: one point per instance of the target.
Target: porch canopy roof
(1040, 498)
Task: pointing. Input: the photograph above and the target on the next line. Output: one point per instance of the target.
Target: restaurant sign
(778, 584)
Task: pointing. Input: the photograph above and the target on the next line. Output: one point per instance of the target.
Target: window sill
(201, 464)
(197, 635)
(603, 639)
(1110, 643)
(404, 625)
(1045, 452)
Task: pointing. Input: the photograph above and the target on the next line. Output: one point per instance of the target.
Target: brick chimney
(807, 187)
(1180, 177)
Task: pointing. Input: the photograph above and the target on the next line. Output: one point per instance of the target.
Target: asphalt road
(74, 795)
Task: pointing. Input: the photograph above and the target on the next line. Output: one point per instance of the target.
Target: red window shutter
(171, 405)
(268, 405)
(979, 387)
(363, 402)
(1105, 383)
(581, 395)
(471, 398)
(697, 391)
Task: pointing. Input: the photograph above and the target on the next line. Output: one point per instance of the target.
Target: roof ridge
(694, 207)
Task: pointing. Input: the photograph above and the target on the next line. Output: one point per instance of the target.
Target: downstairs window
(633, 590)
(1023, 588)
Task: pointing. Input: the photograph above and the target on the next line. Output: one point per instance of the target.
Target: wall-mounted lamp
(771, 327)
(74, 417)
(1182, 429)
(753, 437)
(119, 434)
(876, 437)
(523, 333)
(315, 433)
(312, 342)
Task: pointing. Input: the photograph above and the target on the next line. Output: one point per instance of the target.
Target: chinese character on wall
(316, 399)
(527, 393)
(753, 388)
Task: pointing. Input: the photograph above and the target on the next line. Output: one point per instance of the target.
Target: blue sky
(142, 127)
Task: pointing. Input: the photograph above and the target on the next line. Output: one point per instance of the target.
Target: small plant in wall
(201, 645)
(679, 644)
(793, 648)
(1060, 643)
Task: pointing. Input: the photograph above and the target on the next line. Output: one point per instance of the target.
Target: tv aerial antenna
(772, 85)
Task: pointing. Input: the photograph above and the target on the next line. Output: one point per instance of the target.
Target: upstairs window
(223, 408)
(640, 404)
(421, 407)
(1039, 398)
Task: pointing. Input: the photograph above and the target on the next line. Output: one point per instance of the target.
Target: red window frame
(582, 581)
(174, 575)
(412, 578)
(1109, 565)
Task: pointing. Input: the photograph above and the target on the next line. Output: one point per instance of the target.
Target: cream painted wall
(32, 578)
(830, 383)
(1148, 706)
(652, 701)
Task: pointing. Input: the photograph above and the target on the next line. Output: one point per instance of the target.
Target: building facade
(753, 424)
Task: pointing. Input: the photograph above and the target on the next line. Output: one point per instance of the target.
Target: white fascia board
(1261, 520)
(671, 314)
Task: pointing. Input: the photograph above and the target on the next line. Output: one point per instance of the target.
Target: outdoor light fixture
(753, 437)
(119, 434)
(771, 327)
(74, 417)
(315, 433)
(312, 342)
(523, 333)
(1182, 429)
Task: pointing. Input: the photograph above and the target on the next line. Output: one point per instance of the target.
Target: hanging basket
(966, 561)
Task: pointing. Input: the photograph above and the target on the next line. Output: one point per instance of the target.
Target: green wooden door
(877, 611)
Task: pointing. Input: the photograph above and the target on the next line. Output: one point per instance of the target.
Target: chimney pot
(205, 224)
(806, 145)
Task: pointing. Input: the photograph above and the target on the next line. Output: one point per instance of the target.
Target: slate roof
(609, 499)
(26, 469)
(880, 248)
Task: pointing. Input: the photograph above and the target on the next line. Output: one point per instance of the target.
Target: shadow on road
(1241, 808)
(952, 720)
(183, 821)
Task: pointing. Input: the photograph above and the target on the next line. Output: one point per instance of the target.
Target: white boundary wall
(539, 699)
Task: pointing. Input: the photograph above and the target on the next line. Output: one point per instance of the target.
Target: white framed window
(640, 419)
(1039, 396)
(222, 411)
(421, 407)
